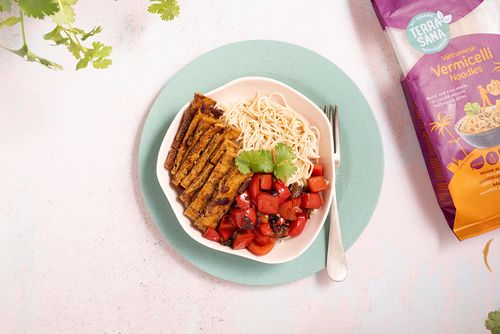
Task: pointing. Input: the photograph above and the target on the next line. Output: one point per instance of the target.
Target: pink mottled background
(80, 254)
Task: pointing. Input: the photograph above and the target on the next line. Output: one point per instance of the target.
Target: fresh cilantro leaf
(82, 63)
(284, 170)
(100, 50)
(255, 160)
(167, 9)
(262, 161)
(243, 161)
(56, 36)
(39, 8)
(10, 21)
(91, 33)
(97, 55)
(66, 14)
(283, 152)
(30, 56)
(75, 49)
(102, 63)
(5, 5)
(493, 322)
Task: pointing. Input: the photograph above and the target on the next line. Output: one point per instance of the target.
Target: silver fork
(336, 264)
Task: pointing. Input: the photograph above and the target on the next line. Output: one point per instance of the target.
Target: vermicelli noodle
(265, 121)
(482, 122)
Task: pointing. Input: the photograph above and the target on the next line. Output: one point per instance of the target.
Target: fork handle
(336, 264)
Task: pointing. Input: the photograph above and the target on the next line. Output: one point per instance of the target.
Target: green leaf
(66, 14)
(82, 63)
(100, 50)
(75, 49)
(91, 33)
(255, 160)
(472, 109)
(493, 322)
(102, 63)
(56, 36)
(10, 21)
(5, 5)
(167, 9)
(284, 170)
(39, 8)
(30, 56)
(283, 152)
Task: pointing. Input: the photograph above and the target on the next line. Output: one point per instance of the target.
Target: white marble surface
(80, 254)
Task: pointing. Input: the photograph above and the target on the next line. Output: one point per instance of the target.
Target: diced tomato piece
(225, 234)
(317, 170)
(286, 210)
(243, 201)
(254, 187)
(297, 202)
(297, 226)
(244, 219)
(260, 239)
(211, 234)
(226, 229)
(261, 250)
(267, 203)
(282, 189)
(265, 229)
(263, 218)
(317, 184)
(242, 240)
(266, 181)
(311, 201)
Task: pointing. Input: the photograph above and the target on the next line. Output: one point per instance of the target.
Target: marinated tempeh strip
(206, 192)
(227, 145)
(196, 151)
(214, 148)
(198, 101)
(222, 199)
(190, 192)
(203, 122)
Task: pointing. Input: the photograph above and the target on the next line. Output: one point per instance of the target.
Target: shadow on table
(395, 112)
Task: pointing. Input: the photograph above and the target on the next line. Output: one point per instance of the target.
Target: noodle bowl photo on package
(247, 169)
(481, 130)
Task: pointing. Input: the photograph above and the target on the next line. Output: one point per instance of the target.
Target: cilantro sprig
(64, 34)
(493, 322)
(263, 161)
(167, 9)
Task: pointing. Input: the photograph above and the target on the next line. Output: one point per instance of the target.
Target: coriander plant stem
(21, 15)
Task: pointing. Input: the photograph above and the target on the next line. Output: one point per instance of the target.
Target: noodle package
(449, 51)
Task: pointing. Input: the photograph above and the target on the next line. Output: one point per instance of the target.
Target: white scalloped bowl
(245, 88)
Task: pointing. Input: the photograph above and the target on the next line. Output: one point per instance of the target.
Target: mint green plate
(359, 178)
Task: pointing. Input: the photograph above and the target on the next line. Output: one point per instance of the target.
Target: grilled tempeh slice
(222, 199)
(197, 103)
(196, 153)
(206, 192)
(191, 191)
(198, 126)
(216, 148)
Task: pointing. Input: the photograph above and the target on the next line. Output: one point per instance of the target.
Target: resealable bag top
(449, 51)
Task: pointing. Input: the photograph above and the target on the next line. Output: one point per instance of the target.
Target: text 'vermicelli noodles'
(265, 121)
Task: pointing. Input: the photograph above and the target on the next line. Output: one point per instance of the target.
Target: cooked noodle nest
(484, 121)
(265, 121)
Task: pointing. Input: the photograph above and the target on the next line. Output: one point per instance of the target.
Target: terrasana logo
(429, 32)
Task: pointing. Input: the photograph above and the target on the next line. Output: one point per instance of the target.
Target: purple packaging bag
(449, 52)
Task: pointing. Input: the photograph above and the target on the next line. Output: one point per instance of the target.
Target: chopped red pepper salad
(267, 210)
